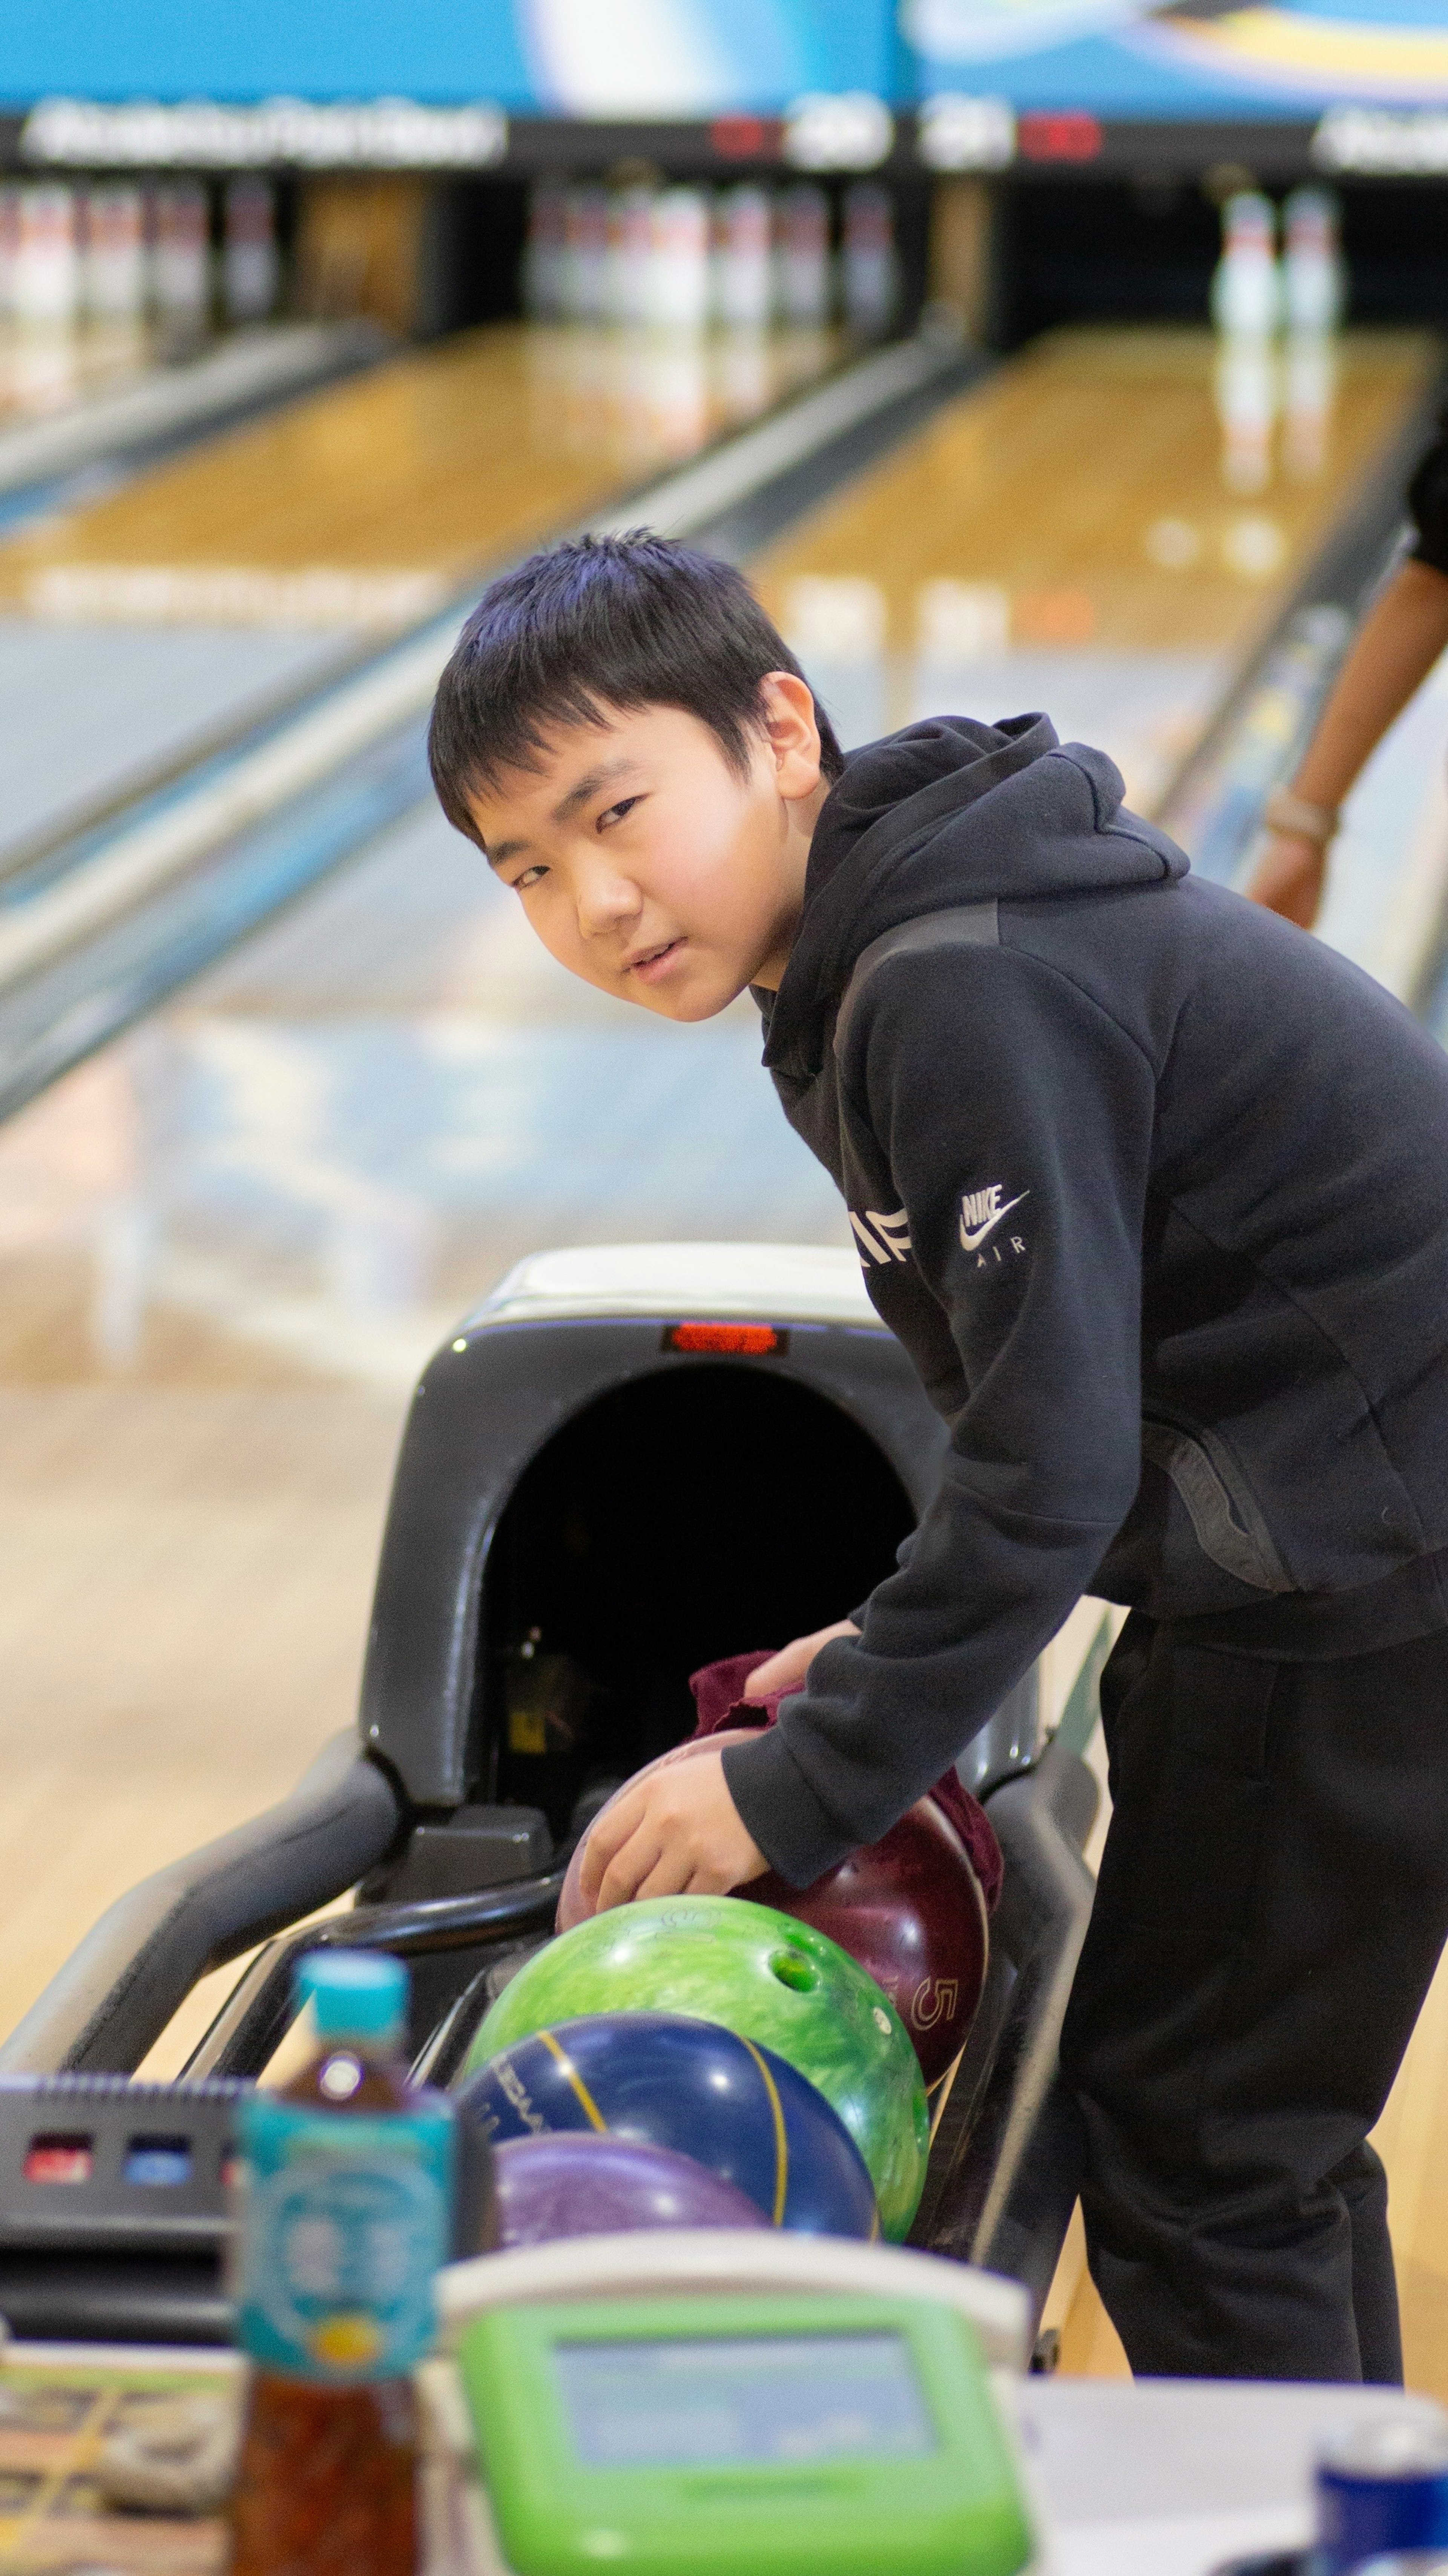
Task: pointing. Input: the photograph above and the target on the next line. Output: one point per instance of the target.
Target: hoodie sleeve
(1015, 1119)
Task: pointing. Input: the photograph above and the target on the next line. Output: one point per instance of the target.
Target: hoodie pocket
(1224, 1515)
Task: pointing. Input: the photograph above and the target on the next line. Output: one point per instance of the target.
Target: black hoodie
(1154, 1190)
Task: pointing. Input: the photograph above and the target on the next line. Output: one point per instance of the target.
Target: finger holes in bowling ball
(797, 1973)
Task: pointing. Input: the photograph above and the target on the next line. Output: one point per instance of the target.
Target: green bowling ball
(764, 1976)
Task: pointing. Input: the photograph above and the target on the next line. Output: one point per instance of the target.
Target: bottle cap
(354, 1994)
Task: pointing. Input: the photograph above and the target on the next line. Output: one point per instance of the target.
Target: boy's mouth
(650, 963)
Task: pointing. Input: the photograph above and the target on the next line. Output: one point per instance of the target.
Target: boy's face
(648, 865)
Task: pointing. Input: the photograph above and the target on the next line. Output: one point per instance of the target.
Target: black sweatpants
(1272, 1902)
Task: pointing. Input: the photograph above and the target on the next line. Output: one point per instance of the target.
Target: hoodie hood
(950, 812)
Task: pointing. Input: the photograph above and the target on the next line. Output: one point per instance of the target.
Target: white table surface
(1169, 2477)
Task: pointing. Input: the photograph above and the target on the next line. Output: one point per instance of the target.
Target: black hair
(597, 624)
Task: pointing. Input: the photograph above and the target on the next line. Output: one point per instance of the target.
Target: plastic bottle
(345, 2196)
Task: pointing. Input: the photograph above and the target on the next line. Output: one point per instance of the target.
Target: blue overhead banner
(442, 82)
(575, 58)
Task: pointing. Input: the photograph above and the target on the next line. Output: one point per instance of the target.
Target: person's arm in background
(1396, 647)
(1392, 654)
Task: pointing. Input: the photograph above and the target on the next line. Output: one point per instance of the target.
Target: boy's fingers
(706, 1879)
(626, 1872)
(793, 1661)
(606, 1835)
(672, 1875)
(777, 1674)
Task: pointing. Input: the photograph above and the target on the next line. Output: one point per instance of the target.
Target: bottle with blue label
(343, 2220)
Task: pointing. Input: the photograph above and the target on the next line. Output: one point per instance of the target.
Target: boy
(1155, 1192)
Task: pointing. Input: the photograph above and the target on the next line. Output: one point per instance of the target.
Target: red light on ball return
(753, 1341)
(59, 2159)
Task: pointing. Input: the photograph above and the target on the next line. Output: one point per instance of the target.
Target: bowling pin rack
(565, 1449)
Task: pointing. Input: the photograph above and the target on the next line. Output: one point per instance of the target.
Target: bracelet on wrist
(1285, 812)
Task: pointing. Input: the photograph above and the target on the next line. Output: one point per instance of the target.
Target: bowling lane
(228, 1243)
(1104, 530)
(247, 565)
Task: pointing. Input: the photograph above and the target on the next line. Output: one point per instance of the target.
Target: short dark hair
(600, 623)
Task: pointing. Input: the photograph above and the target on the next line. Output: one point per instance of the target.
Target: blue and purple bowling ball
(694, 2088)
(575, 2183)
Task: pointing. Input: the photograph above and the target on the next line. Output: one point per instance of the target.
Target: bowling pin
(1247, 289)
(869, 269)
(630, 254)
(1246, 396)
(9, 249)
(803, 261)
(745, 381)
(962, 622)
(839, 626)
(743, 260)
(673, 372)
(181, 256)
(1314, 279)
(586, 255)
(47, 266)
(678, 275)
(114, 281)
(1309, 373)
(250, 268)
(545, 255)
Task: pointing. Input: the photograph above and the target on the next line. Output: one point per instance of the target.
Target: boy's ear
(787, 711)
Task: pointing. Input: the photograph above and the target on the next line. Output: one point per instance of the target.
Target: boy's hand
(676, 1834)
(786, 1670)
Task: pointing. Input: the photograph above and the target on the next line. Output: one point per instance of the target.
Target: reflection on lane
(1102, 531)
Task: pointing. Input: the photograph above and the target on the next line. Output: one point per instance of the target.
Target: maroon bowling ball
(570, 2183)
(908, 1907)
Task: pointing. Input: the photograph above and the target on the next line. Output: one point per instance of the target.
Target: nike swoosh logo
(972, 1236)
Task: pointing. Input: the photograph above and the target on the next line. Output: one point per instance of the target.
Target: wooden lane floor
(1102, 530)
(367, 503)
(227, 1245)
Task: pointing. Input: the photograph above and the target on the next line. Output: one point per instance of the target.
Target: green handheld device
(781, 2436)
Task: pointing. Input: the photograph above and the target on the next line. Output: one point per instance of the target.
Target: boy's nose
(605, 902)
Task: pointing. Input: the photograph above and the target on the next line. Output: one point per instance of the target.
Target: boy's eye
(613, 813)
(527, 878)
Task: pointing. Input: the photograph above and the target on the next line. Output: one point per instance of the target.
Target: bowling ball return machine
(628, 1462)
